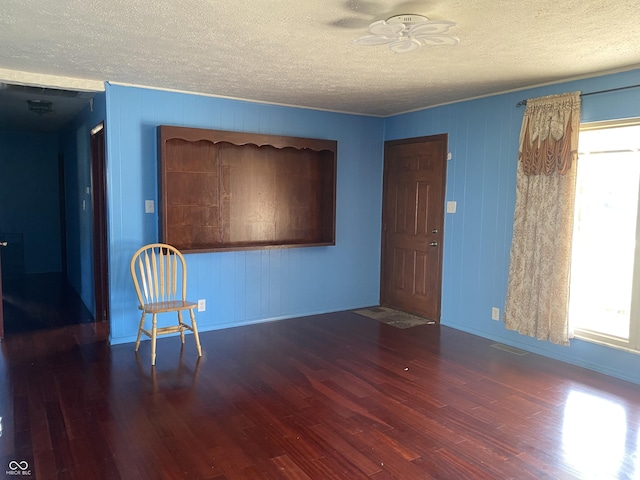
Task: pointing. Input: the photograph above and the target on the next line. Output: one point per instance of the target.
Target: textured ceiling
(299, 52)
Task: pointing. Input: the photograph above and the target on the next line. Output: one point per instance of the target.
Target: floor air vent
(507, 348)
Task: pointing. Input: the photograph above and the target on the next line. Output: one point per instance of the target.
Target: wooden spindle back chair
(159, 274)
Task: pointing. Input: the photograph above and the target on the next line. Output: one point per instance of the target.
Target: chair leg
(181, 325)
(195, 332)
(153, 339)
(140, 330)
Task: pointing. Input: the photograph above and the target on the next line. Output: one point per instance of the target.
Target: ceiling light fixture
(40, 106)
(406, 33)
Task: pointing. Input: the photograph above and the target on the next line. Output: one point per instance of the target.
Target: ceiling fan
(406, 33)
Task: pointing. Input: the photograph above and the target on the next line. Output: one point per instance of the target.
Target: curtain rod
(522, 103)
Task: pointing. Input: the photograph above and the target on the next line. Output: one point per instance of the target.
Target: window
(603, 303)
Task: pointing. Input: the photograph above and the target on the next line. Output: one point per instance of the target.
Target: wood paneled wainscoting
(335, 396)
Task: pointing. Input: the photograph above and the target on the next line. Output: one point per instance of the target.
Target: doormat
(392, 317)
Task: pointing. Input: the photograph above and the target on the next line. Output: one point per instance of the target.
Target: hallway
(41, 301)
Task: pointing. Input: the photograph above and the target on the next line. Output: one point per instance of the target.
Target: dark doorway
(41, 301)
(41, 297)
(412, 223)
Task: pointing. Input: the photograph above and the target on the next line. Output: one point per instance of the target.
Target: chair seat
(171, 306)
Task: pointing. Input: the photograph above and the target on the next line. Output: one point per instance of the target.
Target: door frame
(99, 218)
(1, 309)
(407, 141)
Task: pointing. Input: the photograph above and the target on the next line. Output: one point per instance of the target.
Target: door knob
(3, 244)
(433, 244)
(435, 230)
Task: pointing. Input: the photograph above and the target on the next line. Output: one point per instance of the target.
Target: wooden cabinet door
(413, 221)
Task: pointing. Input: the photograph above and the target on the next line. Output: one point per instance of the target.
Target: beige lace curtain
(538, 287)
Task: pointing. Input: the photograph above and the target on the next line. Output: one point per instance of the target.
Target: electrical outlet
(202, 305)
(495, 313)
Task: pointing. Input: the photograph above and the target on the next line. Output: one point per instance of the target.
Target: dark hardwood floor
(336, 396)
(41, 301)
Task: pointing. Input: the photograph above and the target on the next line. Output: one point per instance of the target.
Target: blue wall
(253, 286)
(483, 140)
(75, 145)
(246, 286)
(30, 197)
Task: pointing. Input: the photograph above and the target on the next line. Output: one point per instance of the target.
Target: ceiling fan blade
(372, 40)
(405, 45)
(430, 27)
(437, 39)
(381, 27)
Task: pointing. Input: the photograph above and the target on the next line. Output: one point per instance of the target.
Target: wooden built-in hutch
(222, 190)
